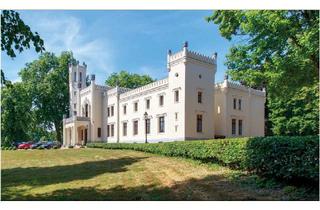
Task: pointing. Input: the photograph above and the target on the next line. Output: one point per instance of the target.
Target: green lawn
(99, 174)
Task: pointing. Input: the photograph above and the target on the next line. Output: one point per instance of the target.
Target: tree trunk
(58, 131)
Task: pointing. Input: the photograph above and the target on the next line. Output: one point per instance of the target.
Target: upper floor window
(74, 105)
(124, 128)
(234, 103)
(239, 104)
(135, 106)
(199, 97)
(161, 124)
(161, 100)
(135, 127)
(112, 110)
(233, 126)
(99, 132)
(199, 123)
(108, 111)
(75, 76)
(240, 127)
(176, 115)
(125, 109)
(176, 96)
(148, 104)
(80, 76)
(86, 110)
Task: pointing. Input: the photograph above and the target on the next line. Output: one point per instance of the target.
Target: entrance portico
(76, 130)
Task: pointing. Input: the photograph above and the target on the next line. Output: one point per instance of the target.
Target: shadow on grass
(40, 176)
(213, 187)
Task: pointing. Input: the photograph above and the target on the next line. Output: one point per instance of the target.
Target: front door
(85, 136)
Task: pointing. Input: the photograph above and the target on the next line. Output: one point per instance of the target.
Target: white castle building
(186, 105)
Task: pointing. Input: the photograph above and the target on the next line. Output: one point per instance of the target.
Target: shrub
(286, 158)
(282, 157)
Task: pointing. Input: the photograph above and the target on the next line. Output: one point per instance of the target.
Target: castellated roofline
(185, 53)
(234, 85)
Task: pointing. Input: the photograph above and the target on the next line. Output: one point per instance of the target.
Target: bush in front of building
(285, 158)
(294, 158)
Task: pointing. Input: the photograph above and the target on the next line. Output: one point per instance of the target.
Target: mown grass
(99, 174)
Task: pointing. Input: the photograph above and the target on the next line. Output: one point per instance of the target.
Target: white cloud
(62, 33)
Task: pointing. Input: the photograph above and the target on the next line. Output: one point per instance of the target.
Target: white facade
(184, 106)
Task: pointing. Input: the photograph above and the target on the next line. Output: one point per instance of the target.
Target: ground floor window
(99, 132)
(147, 126)
(199, 123)
(135, 127)
(108, 130)
(233, 126)
(112, 130)
(240, 127)
(161, 125)
(124, 129)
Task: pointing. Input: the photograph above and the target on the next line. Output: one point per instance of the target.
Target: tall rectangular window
(112, 130)
(161, 125)
(124, 128)
(234, 103)
(161, 100)
(112, 110)
(176, 96)
(239, 104)
(108, 130)
(176, 115)
(136, 106)
(199, 123)
(147, 126)
(233, 126)
(125, 109)
(148, 104)
(240, 127)
(108, 110)
(99, 132)
(199, 97)
(75, 76)
(135, 127)
(80, 76)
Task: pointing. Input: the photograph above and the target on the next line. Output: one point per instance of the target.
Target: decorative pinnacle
(226, 77)
(185, 45)
(169, 52)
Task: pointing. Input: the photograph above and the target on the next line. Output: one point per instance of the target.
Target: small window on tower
(199, 97)
(75, 76)
(176, 96)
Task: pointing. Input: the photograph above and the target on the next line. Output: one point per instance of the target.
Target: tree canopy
(278, 50)
(46, 80)
(128, 80)
(16, 35)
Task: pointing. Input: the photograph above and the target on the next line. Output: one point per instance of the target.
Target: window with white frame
(161, 124)
(233, 126)
(135, 127)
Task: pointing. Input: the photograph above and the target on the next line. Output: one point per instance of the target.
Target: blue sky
(110, 41)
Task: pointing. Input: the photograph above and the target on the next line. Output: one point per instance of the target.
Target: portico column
(74, 134)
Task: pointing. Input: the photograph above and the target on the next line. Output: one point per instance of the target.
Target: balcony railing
(77, 118)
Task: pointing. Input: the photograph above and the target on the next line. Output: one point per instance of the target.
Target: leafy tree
(47, 81)
(128, 80)
(15, 113)
(278, 50)
(16, 35)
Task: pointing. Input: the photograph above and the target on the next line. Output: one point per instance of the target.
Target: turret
(77, 81)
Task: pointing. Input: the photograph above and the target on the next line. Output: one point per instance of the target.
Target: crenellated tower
(77, 81)
(193, 75)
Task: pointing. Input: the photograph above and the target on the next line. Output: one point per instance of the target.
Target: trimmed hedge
(287, 158)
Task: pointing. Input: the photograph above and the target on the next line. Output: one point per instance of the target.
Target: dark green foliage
(288, 158)
(16, 35)
(278, 50)
(128, 80)
(284, 158)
